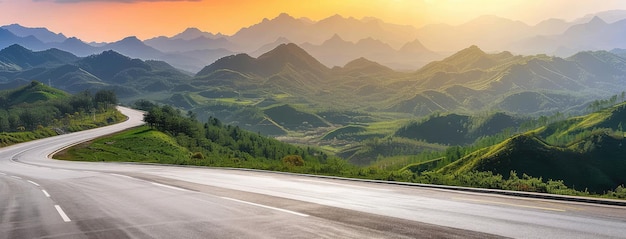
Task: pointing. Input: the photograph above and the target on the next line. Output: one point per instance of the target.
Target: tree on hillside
(105, 99)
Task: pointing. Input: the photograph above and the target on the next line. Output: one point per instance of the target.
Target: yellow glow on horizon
(111, 21)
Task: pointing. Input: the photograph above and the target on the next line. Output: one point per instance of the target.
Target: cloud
(117, 1)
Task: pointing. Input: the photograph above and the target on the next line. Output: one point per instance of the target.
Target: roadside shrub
(293, 160)
(197, 155)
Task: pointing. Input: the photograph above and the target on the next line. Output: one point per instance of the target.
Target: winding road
(44, 198)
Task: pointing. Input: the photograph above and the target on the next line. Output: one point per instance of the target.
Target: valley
(368, 93)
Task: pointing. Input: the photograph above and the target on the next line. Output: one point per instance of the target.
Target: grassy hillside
(455, 129)
(137, 145)
(174, 139)
(586, 152)
(32, 93)
(36, 111)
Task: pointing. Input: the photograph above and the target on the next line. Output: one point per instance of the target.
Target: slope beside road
(44, 198)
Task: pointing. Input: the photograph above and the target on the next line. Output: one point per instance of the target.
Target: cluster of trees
(226, 145)
(27, 108)
(602, 104)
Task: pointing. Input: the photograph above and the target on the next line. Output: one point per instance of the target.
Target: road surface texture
(45, 198)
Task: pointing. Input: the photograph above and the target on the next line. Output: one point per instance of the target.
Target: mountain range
(336, 40)
(107, 70)
(470, 80)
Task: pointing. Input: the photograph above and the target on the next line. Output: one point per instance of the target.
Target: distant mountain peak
(192, 33)
(284, 17)
(335, 39)
(362, 65)
(5, 33)
(111, 53)
(361, 61)
(192, 30)
(284, 49)
(336, 16)
(472, 51)
(189, 31)
(41, 33)
(15, 48)
(270, 63)
(283, 39)
(414, 46)
(596, 20)
(130, 39)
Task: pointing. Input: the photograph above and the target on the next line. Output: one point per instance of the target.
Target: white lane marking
(3, 174)
(45, 193)
(265, 206)
(171, 187)
(123, 176)
(34, 183)
(62, 213)
(16, 177)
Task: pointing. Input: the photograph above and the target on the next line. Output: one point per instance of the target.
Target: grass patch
(140, 144)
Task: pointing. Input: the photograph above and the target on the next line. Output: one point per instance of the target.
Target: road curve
(44, 198)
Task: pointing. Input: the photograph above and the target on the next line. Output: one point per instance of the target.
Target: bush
(293, 160)
(197, 155)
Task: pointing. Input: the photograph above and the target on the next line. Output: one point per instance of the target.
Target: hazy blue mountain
(69, 77)
(133, 47)
(609, 16)
(166, 44)
(620, 52)
(596, 34)
(21, 58)
(41, 33)
(363, 67)
(303, 30)
(337, 52)
(253, 37)
(107, 70)
(551, 26)
(273, 62)
(193, 33)
(7, 38)
(353, 29)
(334, 52)
(76, 46)
(490, 32)
(269, 46)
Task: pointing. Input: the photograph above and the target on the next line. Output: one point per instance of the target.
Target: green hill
(35, 110)
(293, 119)
(455, 129)
(585, 152)
(33, 92)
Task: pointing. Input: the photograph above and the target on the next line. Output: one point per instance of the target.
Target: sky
(112, 20)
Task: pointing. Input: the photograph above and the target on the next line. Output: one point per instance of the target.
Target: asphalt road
(44, 198)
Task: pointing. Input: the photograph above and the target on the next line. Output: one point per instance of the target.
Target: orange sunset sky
(111, 20)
